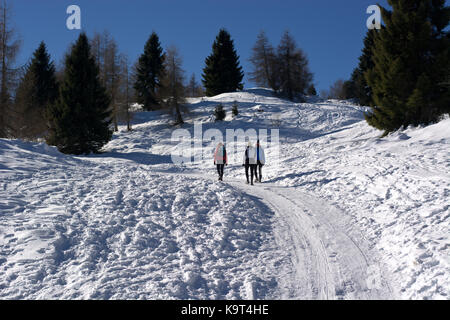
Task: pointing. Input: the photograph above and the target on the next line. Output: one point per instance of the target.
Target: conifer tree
(234, 109)
(357, 87)
(312, 90)
(149, 74)
(219, 113)
(37, 89)
(222, 72)
(411, 57)
(80, 118)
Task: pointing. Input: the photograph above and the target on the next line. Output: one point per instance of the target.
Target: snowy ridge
(348, 216)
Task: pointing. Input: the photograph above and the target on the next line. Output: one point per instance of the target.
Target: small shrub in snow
(234, 109)
(219, 113)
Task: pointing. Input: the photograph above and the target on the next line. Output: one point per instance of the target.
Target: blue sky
(330, 32)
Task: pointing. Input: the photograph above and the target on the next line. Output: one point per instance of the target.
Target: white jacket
(250, 154)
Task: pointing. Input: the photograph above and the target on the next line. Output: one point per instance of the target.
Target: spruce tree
(312, 90)
(219, 113)
(149, 73)
(80, 118)
(222, 72)
(234, 109)
(357, 87)
(37, 89)
(411, 58)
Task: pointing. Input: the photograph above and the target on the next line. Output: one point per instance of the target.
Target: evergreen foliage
(357, 87)
(149, 74)
(80, 118)
(222, 72)
(411, 60)
(312, 90)
(219, 113)
(37, 89)
(234, 109)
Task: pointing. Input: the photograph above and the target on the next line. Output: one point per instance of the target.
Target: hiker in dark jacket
(220, 159)
(260, 160)
(249, 162)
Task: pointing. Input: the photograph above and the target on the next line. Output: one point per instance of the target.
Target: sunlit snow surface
(343, 215)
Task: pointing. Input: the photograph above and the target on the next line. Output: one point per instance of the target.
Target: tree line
(284, 69)
(78, 107)
(403, 74)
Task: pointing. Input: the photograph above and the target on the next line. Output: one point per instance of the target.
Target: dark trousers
(252, 171)
(220, 170)
(260, 165)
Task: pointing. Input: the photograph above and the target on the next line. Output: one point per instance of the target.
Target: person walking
(220, 159)
(249, 162)
(260, 160)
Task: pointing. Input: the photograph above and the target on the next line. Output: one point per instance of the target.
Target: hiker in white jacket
(250, 161)
(260, 160)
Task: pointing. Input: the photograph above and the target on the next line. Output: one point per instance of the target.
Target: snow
(344, 214)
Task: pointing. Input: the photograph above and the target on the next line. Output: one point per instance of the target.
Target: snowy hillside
(342, 215)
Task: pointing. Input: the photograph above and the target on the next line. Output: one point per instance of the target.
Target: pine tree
(312, 90)
(222, 72)
(357, 87)
(37, 89)
(234, 109)
(80, 118)
(411, 57)
(295, 77)
(149, 73)
(219, 113)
